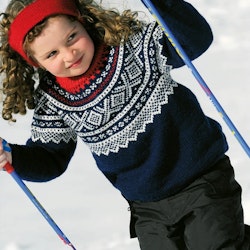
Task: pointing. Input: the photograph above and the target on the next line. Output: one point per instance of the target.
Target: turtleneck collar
(75, 84)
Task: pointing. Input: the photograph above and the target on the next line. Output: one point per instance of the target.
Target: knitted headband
(31, 15)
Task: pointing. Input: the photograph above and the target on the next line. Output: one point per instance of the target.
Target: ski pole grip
(8, 168)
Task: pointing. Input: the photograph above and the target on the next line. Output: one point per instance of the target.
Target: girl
(105, 77)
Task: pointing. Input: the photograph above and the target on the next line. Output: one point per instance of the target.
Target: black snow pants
(206, 215)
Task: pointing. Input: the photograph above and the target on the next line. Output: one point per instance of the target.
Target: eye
(71, 37)
(51, 54)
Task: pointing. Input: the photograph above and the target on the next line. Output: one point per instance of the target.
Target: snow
(82, 202)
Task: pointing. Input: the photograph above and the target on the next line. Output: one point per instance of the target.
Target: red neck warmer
(75, 84)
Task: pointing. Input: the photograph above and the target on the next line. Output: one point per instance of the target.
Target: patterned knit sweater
(146, 132)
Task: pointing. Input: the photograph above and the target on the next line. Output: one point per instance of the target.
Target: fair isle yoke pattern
(118, 103)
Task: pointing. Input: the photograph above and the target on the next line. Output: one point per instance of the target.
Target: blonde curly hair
(110, 26)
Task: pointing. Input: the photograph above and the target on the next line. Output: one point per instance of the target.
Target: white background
(83, 203)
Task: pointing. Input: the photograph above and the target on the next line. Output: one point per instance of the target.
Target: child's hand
(5, 154)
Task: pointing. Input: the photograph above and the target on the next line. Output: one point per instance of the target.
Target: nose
(69, 54)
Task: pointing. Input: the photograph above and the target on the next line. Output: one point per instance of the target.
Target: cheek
(87, 43)
(54, 68)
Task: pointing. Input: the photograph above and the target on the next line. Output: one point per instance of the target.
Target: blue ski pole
(196, 74)
(9, 168)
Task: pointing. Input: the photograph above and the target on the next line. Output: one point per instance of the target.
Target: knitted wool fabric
(75, 84)
(138, 122)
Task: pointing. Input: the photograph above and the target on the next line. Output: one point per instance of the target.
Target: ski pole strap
(196, 74)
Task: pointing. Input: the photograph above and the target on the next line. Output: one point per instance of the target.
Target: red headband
(31, 16)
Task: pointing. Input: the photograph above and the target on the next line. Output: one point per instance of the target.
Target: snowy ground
(82, 202)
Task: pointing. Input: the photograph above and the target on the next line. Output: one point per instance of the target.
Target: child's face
(64, 47)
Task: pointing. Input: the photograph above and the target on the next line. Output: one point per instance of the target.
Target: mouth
(76, 63)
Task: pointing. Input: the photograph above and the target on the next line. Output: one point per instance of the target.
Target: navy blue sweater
(146, 132)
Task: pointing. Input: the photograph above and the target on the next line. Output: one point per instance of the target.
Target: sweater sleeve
(39, 162)
(188, 26)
